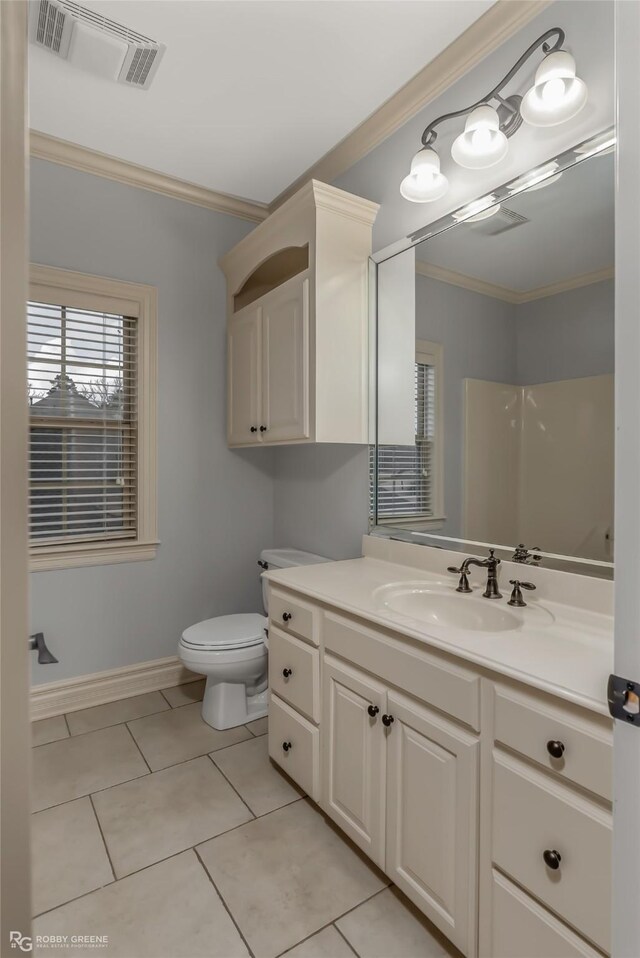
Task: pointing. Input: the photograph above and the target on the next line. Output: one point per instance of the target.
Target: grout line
(133, 739)
(165, 698)
(63, 904)
(104, 840)
(229, 782)
(344, 937)
(35, 811)
(226, 907)
(66, 722)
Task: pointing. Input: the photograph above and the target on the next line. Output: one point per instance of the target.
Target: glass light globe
(557, 93)
(482, 144)
(425, 183)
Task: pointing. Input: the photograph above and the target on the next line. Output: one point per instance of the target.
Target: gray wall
(215, 506)
(322, 498)
(566, 336)
(478, 334)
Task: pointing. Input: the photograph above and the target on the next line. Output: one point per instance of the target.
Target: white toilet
(231, 651)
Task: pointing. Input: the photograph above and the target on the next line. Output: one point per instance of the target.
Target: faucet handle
(516, 596)
(463, 584)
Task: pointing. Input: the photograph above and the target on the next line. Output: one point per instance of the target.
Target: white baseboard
(69, 695)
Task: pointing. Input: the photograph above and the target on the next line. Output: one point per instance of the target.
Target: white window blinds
(402, 486)
(83, 436)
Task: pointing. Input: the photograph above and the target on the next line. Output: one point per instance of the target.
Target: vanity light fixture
(536, 179)
(478, 210)
(557, 95)
(425, 182)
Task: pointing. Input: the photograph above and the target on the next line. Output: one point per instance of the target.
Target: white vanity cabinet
(464, 787)
(297, 322)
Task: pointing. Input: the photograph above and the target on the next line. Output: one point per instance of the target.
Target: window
(409, 478)
(91, 373)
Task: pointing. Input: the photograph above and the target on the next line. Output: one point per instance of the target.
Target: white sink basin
(452, 610)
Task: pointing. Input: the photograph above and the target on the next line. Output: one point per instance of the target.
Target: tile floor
(178, 841)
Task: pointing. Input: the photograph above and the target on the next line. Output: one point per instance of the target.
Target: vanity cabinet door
(243, 377)
(354, 755)
(285, 362)
(432, 802)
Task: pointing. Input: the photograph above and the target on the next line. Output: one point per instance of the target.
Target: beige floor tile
(286, 875)
(83, 764)
(180, 734)
(67, 855)
(249, 770)
(389, 926)
(327, 943)
(184, 694)
(49, 730)
(101, 716)
(259, 727)
(154, 817)
(170, 910)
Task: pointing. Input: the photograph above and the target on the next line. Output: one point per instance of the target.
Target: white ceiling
(250, 93)
(570, 232)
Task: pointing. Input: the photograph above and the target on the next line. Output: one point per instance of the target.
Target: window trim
(85, 291)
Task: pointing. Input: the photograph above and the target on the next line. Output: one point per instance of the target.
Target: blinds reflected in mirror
(405, 474)
(82, 373)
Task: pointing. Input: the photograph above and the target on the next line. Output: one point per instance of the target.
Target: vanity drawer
(520, 927)
(293, 615)
(301, 686)
(432, 679)
(533, 813)
(526, 724)
(301, 760)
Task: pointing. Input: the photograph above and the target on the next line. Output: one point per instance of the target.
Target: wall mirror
(495, 371)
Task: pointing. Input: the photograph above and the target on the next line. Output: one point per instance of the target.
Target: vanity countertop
(570, 658)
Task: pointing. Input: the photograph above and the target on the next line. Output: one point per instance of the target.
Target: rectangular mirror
(495, 371)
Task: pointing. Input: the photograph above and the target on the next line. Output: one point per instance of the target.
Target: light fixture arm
(429, 135)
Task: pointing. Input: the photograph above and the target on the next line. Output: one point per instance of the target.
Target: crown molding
(500, 22)
(511, 295)
(64, 153)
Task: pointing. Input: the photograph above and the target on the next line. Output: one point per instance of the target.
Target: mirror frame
(565, 160)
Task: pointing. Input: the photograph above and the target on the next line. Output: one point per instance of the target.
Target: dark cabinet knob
(254, 429)
(286, 616)
(387, 720)
(263, 564)
(287, 673)
(373, 710)
(287, 745)
(555, 749)
(263, 428)
(552, 858)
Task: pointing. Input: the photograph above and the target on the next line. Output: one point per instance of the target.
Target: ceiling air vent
(500, 222)
(95, 43)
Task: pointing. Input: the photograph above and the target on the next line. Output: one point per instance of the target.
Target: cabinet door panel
(354, 755)
(432, 794)
(243, 376)
(285, 363)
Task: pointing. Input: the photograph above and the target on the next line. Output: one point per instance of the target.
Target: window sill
(75, 557)
(434, 522)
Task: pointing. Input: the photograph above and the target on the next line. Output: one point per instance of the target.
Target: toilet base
(227, 705)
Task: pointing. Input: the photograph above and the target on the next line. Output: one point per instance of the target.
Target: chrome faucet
(490, 564)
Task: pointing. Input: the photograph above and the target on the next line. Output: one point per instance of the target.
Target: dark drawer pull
(387, 720)
(287, 673)
(552, 858)
(254, 429)
(555, 749)
(263, 428)
(286, 746)
(286, 617)
(373, 710)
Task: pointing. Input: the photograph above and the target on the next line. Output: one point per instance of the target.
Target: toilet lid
(226, 632)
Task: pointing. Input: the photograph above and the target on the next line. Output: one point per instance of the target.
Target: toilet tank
(285, 559)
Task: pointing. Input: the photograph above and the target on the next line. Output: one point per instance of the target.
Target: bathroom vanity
(464, 745)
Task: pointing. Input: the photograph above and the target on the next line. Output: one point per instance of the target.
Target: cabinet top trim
(313, 196)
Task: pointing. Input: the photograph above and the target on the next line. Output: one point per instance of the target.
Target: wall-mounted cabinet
(298, 351)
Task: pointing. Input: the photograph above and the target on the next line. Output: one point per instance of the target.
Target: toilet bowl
(231, 651)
